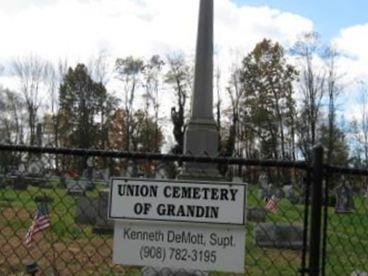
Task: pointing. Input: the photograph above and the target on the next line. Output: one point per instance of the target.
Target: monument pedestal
(201, 138)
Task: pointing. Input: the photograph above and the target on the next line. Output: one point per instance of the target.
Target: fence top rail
(346, 170)
(156, 156)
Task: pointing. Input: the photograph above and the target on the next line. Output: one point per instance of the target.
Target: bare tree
(129, 71)
(235, 92)
(359, 127)
(364, 123)
(334, 89)
(12, 117)
(99, 68)
(152, 85)
(218, 103)
(312, 86)
(51, 120)
(31, 72)
(100, 72)
(12, 121)
(179, 78)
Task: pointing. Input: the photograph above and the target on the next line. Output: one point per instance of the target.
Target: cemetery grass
(80, 251)
(69, 247)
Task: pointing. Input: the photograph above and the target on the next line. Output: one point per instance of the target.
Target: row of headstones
(20, 178)
(287, 236)
(288, 191)
(342, 197)
(76, 186)
(93, 211)
(275, 235)
(89, 210)
(20, 182)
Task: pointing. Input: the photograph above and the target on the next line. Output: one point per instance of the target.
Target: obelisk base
(201, 138)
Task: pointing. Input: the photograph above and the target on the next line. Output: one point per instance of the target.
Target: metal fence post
(316, 212)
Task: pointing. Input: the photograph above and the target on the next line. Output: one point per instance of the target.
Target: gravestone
(20, 183)
(89, 174)
(279, 193)
(75, 187)
(62, 181)
(256, 214)
(103, 225)
(296, 198)
(359, 273)
(266, 187)
(2, 182)
(279, 235)
(237, 179)
(35, 174)
(267, 192)
(31, 267)
(263, 180)
(21, 169)
(288, 190)
(160, 172)
(86, 210)
(87, 184)
(43, 199)
(344, 198)
(131, 170)
(90, 168)
(292, 195)
(106, 175)
(34, 168)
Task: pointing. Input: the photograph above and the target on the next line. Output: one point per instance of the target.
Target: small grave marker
(277, 235)
(86, 210)
(344, 198)
(75, 187)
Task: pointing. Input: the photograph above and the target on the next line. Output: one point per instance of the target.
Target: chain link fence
(345, 229)
(74, 185)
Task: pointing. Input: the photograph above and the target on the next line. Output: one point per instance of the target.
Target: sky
(329, 16)
(78, 30)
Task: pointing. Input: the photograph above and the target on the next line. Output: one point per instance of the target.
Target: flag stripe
(40, 222)
(271, 204)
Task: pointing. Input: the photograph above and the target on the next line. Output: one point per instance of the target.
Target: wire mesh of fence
(345, 245)
(74, 184)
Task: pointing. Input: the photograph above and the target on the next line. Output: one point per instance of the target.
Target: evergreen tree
(80, 103)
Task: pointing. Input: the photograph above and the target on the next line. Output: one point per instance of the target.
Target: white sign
(194, 248)
(198, 202)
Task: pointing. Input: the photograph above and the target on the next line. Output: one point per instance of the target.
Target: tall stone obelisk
(201, 136)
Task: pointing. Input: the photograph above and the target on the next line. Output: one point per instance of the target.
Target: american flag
(41, 221)
(271, 204)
